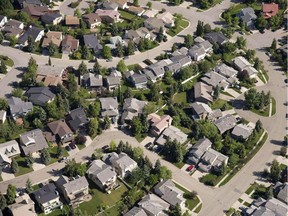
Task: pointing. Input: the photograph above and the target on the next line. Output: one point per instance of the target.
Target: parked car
(64, 159)
(104, 148)
(190, 168)
(72, 145)
(148, 145)
(68, 148)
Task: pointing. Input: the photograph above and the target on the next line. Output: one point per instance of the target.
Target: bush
(74, 4)
(80, 140)
(209, 179)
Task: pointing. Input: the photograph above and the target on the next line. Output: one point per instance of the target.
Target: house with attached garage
(197, 151)
(109, 107)
(8, 150)
(136, 10)
(269, 10)
(158, 123)
(201, 49)
(35, 12)
(40, 95)
(167, 18)
(248, 16)
(108, 16)
(113, 81)
(138, 80)
(121, 3)
(72, 21)
(25, 3)
(19, 108)
(136, 211)
(69, 44)
(92, 81)
(242, 131)
(53, 37)
(77, 119)
(215, 79)
(36, 33)
(202, 93)
(102, 175)
(106, 5)
(51, 18)
(179, 62)
(60, 131)
(13, 28)
(241, 64)
(23, 205)
(153, 205)
(226, 71)
(200, 110)
(172, 133)
(154, 24)
(216, 37)
(92, 20)
(32, 141)
(158, 68)
(132, 107)
(92, 42)
(225, 123)
(150, 13)
(114, 41)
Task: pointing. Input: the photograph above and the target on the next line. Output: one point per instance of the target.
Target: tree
(176, 211)
(188, 41)
(106, 123)
(85, 52)
(130, 48)
(149, 5)
(119, 50)
(250, 54)
(136, 3)
(207, 28)
(200, 29)
(160, 35)
(228, 18)
(121, 66)
(12, 40)
(77, 13)
(59, 152)
(283, 151)
(82, 68)
(1, 37)
(96, 67)
(136, 126)
(6, 5)
(94, 109)
(275, 171)
(14, 166)
(216, 92)
(52, 49)
(29, 187)
(114, 29)
(3, 104)
(97, 154)
(3, 67)
(106, 52)
(3, 202)
(17, 92)
(157, 166)
(31, 46)
(49, 61)
(45, 156)
(73, 169)
(154, 93)
(235, 21)
(258, 126)
(11, 194)
(273, 46)
(164, 173)
(241, 42)
(261, 23)
(29, 160)
(192, 194)
(92, 127)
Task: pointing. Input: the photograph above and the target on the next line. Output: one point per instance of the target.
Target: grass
(237, 90)
(182, 25)
(140, 137)
(134, 67)
(264, 112)
(260, 75)
(246, 204)
(219, 103)
(180, 97)
(191, 203)
(179, 164)
(23, 169)
(81, 146)
(100, 199)
(57, 212)
(240, 200)
(53, 154)
(9, 62)
(227, 94)
(198, 209)
(230, 211)
(273, 106)
(250, 189)
(126, 15)
(113, 211)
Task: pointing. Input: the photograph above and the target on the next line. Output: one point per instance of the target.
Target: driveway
(7, 174)
(37, 165)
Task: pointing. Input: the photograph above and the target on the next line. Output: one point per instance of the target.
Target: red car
(191, 167)
(72, 145)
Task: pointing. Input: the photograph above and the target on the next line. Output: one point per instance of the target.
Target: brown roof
(36, 11)
(92, 18)
(49, 80)
(59, 127)
(54, 37)
(72, 20)
(69, 43)
(119, 2)
(134, 9)
(269, 10)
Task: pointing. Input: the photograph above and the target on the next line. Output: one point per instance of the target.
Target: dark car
(148, 145)
(104, 148)
(72, 145)
(68, 148)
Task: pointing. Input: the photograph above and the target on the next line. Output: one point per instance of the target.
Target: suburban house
(25, 3)
(136, 211)
(121, 163)
(216, 37)
(225, 123)
(114, 41)
(121, 3)
(202, 93)
(150, 13)
(212, 160)
(69, 44)
(53, 37)
(138, 80)
(214, 115)
(113, 81)
(92, 81)
(23, 206)
(170, 193)
(32, 141)
(269, 10)
(181, 51)
(178, 62)
(51, 18)
(136, 10)
(226, 71)
(172, 133)
(7, 151)
(167, 18)
(109, 107)
(132, 107)
(214, 79)
(281, 190)
(248, 16)
(158, 123)
(157, 69)
(198, 150)
(72, 21)
(200, 49)
(241, 64)
(73, 190)
(35, 11)
(48, 199)
(92, 20)
(153, 205)
(200, 110)
(3, 115)
(3, 20)
(18, 107)
(40, 95)
(13, 28)
(242, 131)
(102, 175)
(92, 42)
(77, 119)
(50, 75)
(108, 16)
(60, 131)
(36, 33)
(154, 24)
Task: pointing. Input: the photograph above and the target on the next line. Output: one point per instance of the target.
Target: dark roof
(59, 127)
(48, 18)
(39, 95)
(78, 118)
(139, 78)
(32, 2)
(92, 42)
(32, 31)
(46, 193)
(216, 37)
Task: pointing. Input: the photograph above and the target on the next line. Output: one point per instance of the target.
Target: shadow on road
(277, 142)
(238, 104)
(276, 152)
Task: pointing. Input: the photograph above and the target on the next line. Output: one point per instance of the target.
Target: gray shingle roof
(153, 205)
(46, 193)
(243, 131)
(78, 118)
(216, 37)
(174, 134)
(39, 95)
(135, 211)
(48, 18)
(92, 42)
(76, 185)
(101, 171)
(225, 123)
(33, 32)
(16, 106)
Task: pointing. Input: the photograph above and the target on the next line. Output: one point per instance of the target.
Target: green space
(81, 146)
(219, 103)
(9, 62)
(53, 154)
(198, 209)
(261, 77)
(246, 204)
(230, 211)
(57, 212)
(140, 137)
(23, 169)
(190, 203)
(112, 211)
(240, 200)
(250, 189)
(237, 90)
(227, 94)
(134, 67)
(182, 25)
(179, 164)
(180, 97)
(126, 15)
(273, 106)
(128, 18)
(57, 55)
(101, 199)
(265, 111)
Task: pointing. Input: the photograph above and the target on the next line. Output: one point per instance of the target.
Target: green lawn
(226, 93)
(9, 62)
(134, 67)
(273, 106)
(250, 189)
(57, 212)
(191, 203)
(219, 103)
(174, 31)
(180, 97)
(230, 211)
(265, 111)
(23, 169)
(246, 204)
(198, 209)
(126, 15)
(179, 164)
(53, 154)
(100, 199)
(113, 211)
(81, 146)
(240, 200)
(140, 137)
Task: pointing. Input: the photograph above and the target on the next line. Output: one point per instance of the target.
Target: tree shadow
(277, 142)
(238, 104)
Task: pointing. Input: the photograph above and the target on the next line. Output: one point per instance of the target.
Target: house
(167, 18)
(48, 199)
(179, 62)
(269, 207)
(3, 115)
(132, 35)
(136, 10)
(158, 68)
(132, 107)
(102, 175)
(7, 151)
(269, 10)
(40, 95)
(77, 119)
(114, 41)
(150, 13)
(136, 211)
(138, 80)
(121, 3)
(60, 131)
(150, 75)
(106, 5)
(153, 205)
(198, 150)
(212, 160)
(282, 195)
(241, 64)
(3, 20)
(35, 11)
(242, 131)
(108, 16)
(53, 37)
(69, 44)
(202, 93)
(215, 79)
(49, 80)
(248, 16)
(32, 141)
(226, 71)
(51, 18)
(109, 107)
(181, 51)
(36, 33)
(145, 33)
(50, 75)
(172, 133)
(113, 81)
(214, 115)
(13, 28)
(200, 110)
(92, 81)
(72, 21)
(158, 123)
(92, 20)
(92, 42)
(73, 191)
(154, 24)
(23, 206)
(216, 37)
(25, 3)
(225, 123)
(18, 107)
(170, 193)
(201, 49)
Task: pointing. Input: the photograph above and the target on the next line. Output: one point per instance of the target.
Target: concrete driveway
(37, 165)
(7, 174)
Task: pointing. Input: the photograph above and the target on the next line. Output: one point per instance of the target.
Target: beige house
(23, 206)
(53, 37)
(158, 123)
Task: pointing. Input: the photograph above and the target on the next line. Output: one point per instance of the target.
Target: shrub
(80, 139)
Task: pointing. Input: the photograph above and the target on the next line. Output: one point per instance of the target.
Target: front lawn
(53, 154)
(250, 189)
(140, 137)
(174, 31)
(180, 97)
(273, 106)
(219, 103)
(23, 169)
(190, 203)
(8, 62)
